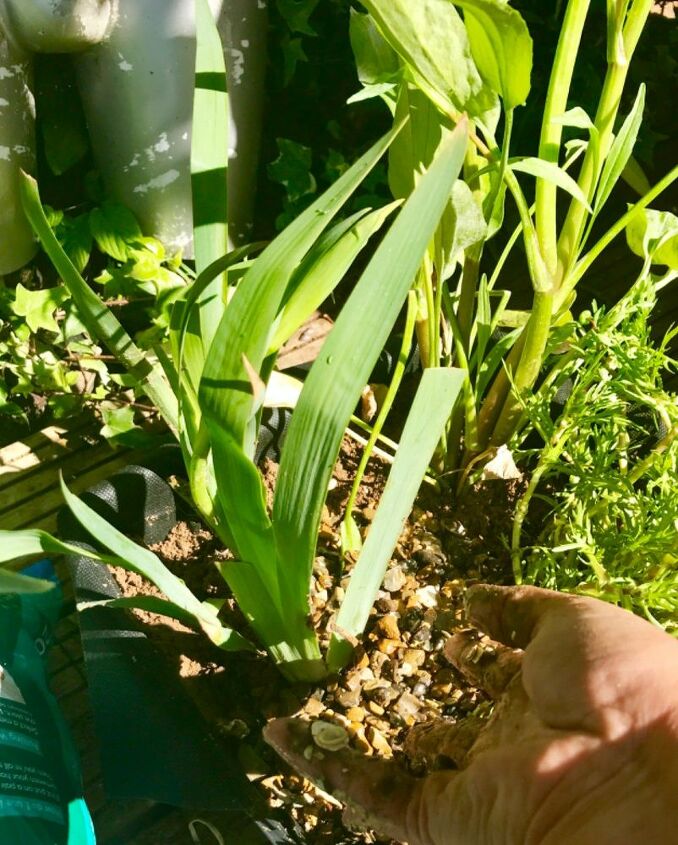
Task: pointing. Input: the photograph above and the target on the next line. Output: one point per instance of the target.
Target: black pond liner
(154, 743)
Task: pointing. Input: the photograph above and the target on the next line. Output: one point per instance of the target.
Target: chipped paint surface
(158, 183)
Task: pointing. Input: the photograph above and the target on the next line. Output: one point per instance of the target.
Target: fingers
(490, 666)
(511, 615)
(379, 794)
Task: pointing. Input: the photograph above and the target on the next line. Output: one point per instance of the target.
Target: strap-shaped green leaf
(432, 406)
(244, 331)
(209, 164)
(323, 274)
(339, 374)
(620, 151)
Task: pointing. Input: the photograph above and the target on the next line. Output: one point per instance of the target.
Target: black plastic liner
(154, 743)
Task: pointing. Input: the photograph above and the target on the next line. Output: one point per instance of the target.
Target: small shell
(328, 736)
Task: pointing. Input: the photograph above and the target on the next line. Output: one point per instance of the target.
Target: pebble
(348, 698)
(389, 646)
(408, 707)
(375, 708)
(314, 707)
(428, 596)
(378, 741)
(356, 714)
(387, 626)
(394, 579)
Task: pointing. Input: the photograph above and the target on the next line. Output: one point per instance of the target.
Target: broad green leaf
(549, 171)
(620, 151)
(76, 238)
(117, 421)
(144, 562)
(296, 13)
(501, 47)
(430, 37)
(115, 229)
(319, 279)
(339, 374)
(102, 325)
(462, 225)
(654, 234)
(432, 406)
(375, 59)
(38, 306)
(209, 166)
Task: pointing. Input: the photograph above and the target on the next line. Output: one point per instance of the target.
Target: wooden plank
(30, 496)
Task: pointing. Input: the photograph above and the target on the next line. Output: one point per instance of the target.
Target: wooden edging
(30, 468)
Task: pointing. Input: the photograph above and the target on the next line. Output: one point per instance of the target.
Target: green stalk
(536, 335)
(385, 409)
(551, 132)
(608, 106)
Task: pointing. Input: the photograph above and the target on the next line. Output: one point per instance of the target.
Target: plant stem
(536, 334)
(551, 132)
(608, 106)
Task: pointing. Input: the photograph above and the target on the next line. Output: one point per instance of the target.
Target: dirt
(398, 678)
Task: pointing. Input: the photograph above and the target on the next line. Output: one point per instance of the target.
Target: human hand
(581, 748)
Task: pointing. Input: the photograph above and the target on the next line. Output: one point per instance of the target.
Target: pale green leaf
(144, 562)
(501, 47)
(14, 582)
(209, 166)
(39, 306)
(654, 234)
(375, 59)
(620, 151)
(115, 229)
(430, 37)
(317, 279)
(549, 171)
(432, 406)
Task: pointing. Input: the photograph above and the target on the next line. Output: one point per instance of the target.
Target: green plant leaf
(339, 374)
(501, 47)
(144, 562)
(430, 36)
(102, 325)
(38, 306)
(375, 59)
(115, 229)
(654, 234)
(14, 582)
(549, 171)
(432, 406)
(620, 151)
(209, 169)
(319, 277)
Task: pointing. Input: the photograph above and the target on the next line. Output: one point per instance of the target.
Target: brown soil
(398, 678)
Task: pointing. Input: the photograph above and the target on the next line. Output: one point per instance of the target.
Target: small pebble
(394, 579)
(378, 741)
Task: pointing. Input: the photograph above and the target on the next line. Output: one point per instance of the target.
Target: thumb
(379, 795)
